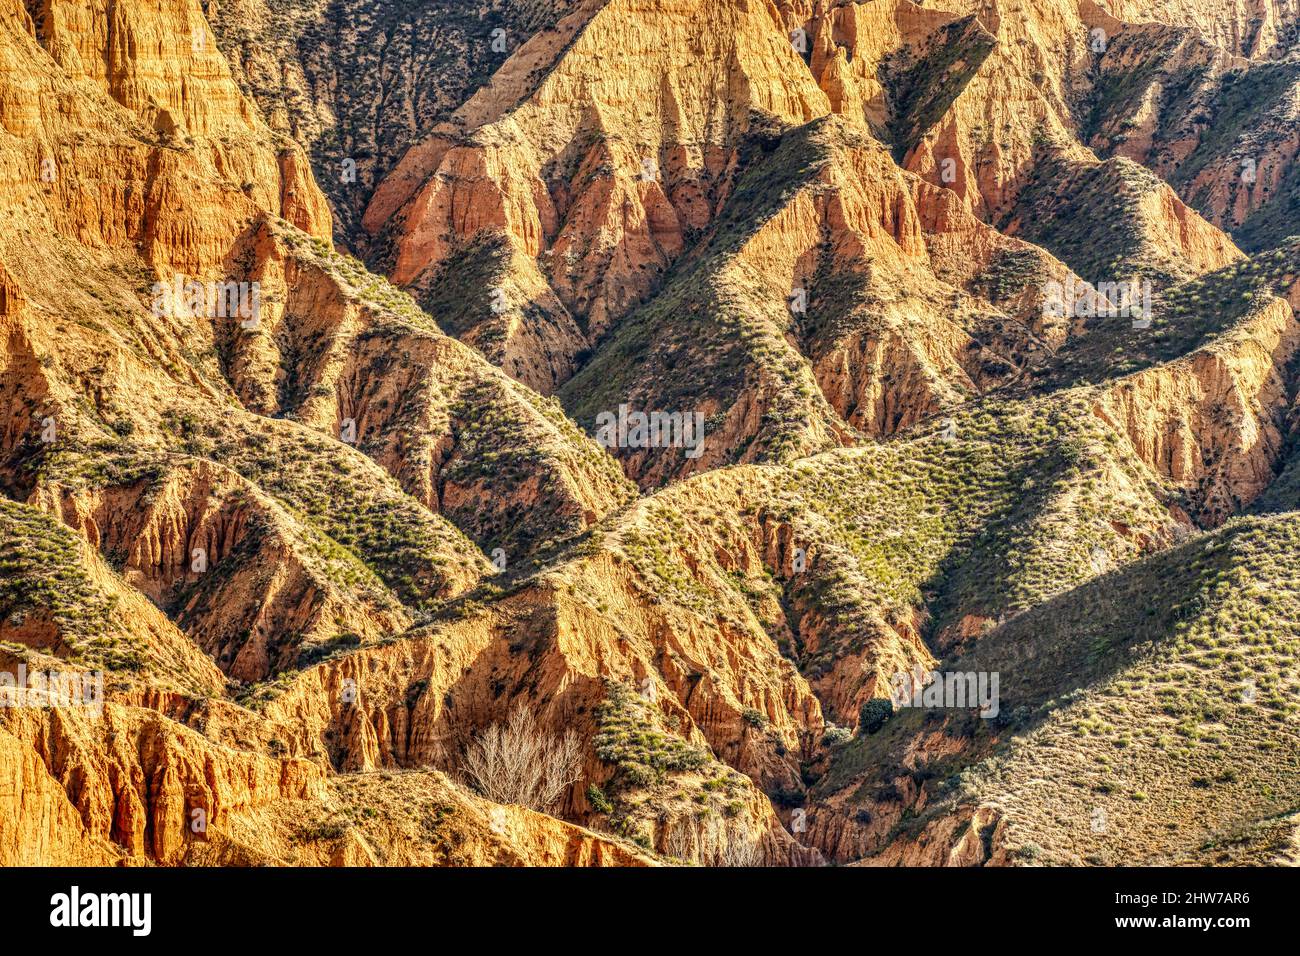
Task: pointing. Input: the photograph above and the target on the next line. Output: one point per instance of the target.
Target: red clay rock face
(604, 199)
(1213, 422)
(316, 556)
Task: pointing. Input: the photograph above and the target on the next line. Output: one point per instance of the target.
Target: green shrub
(835, 736)
(873, 715)
(599, 802)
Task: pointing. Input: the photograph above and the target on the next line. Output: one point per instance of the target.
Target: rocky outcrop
(1212, 422)
(971, 838)
(861, 299)
(42, 828)
(1218, 127)
(604, 197)
(136, 779)
(165, 117)
(239, 577)
(1255, 28)
(415, 819)
(351, 356)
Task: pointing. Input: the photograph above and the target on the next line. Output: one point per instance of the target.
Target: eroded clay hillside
(657, 382)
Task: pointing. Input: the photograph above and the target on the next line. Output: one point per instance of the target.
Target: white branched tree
(713, 841)
(516, 762)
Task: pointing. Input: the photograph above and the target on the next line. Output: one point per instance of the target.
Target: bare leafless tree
(681, 841)
(713, 841)
(516, 762)
(737, 846)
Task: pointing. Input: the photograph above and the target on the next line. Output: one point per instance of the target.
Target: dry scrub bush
(713, 841)
(517, 763)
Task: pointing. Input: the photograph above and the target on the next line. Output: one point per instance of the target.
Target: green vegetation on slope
(922, 90)
(43, 577)
(1090, 218)
(712, 331)
(1185, 317)
(1162, 694)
